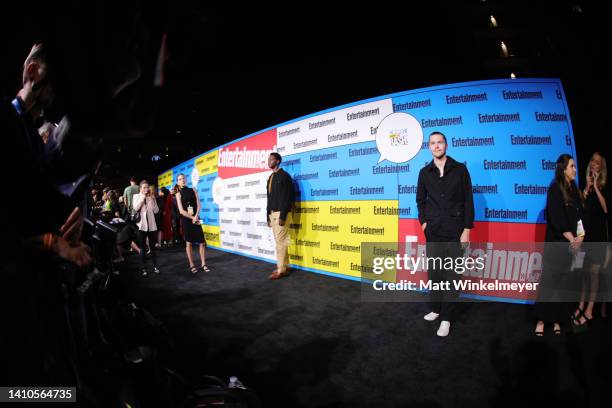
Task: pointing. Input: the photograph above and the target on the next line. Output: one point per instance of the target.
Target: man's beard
(439, 155)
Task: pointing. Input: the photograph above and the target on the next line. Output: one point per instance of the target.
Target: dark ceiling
(233, 69)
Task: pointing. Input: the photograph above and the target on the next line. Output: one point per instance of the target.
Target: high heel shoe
(576, 318)
(539, 333)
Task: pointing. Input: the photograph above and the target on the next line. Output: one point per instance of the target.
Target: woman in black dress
(189, 208)
(176, 217)
(564, 236)
(596, 201)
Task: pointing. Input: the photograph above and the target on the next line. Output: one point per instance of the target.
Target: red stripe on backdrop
(482, 232)
(247, 156)
(496, 232)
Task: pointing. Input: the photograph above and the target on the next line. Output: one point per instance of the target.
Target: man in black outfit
(446, 213)
(43, 217)
(44, 229)
(280, 198)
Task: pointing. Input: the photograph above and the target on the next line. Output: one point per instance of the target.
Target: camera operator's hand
(79, 254)
(72, 228)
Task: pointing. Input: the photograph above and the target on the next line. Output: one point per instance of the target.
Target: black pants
(142, 238)
(443, 302)
(559, 287)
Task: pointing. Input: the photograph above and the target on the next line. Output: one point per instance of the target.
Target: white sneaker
(431, 316)
(444, 328)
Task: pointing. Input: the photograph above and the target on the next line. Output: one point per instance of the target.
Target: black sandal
(587, 320)
(576, 319)
(204, 268)
(194, 270)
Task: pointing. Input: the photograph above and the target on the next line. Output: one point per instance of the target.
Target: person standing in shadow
(564, 236)
(596, 204)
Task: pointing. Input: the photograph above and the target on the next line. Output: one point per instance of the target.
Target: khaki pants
(281, 236)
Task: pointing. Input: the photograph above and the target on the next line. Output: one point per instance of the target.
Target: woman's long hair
(178, 187)
(603, 172)
(568, 189)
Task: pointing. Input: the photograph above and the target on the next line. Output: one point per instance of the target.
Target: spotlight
(504, 49)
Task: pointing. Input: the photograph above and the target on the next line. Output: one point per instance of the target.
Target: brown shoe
(278, 275)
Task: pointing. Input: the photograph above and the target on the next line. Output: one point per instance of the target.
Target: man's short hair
(37, 53)
(438, 133)
(133, 179)
(277, 156)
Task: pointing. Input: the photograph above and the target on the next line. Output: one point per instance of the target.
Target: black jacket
(281, 197)
(561, 216)
(39, 207)
(445, 203)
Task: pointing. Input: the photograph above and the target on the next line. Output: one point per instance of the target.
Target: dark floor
(309, 341)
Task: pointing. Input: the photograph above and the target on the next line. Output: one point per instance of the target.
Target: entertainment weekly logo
(247, 156)
(506, 261)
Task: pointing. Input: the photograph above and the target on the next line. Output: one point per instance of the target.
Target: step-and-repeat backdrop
(355, 170)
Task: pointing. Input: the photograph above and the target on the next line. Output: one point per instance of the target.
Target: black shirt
(595, 219)
(445, 203)
(280, 198)
(562, 216)
(188, 198)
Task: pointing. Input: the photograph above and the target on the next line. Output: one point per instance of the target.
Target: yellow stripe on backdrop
(165, 179)
(327, 235)
(212, 233)
(208, 163)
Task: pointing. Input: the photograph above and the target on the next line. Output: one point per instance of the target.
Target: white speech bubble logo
(218, 189)
(399, 137)
(195, 177)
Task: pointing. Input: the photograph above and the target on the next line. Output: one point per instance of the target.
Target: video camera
(101, 238)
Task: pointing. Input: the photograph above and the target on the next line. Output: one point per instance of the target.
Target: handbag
(135, 217)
